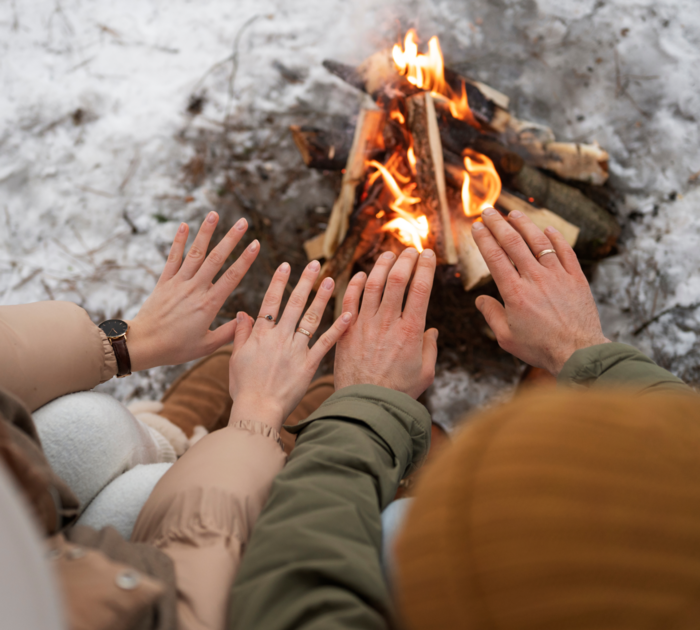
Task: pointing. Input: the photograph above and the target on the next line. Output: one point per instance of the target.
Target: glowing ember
(482, 185)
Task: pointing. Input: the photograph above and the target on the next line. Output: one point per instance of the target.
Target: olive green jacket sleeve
(618, 365)
(313, 560)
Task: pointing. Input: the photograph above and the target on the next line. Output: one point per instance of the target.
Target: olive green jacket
(313, 561)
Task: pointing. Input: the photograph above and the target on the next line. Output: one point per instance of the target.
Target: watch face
(114, 327)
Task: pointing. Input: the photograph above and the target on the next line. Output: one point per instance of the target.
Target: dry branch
(430, 175)
(367, 133)
(322, 149)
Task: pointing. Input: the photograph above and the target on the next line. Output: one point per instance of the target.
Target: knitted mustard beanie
(561, 510)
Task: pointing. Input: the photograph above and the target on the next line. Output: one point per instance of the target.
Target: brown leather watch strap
(122, 355)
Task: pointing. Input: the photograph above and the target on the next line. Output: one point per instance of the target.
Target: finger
(421, 286)
(244, 328)
(495, 316)
(198, 250)
(374, 287)
(217, 256)
(176, 251)
(502, 270)
(312, 317)
(351, 301)
(232, 277)
(566, 255)
(430, 352)
(535, 239)
(273, 297)
(396, 284)
(511, 242)
(297, 300)
(328, 340)
(224, 334)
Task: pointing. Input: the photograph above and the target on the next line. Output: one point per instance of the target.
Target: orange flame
(410, 229)
(482, 185)
(428, 73)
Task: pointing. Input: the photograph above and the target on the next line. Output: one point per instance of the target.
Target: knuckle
(412, 329)
(421, 288)
(296, 301)
(396, 280)
(216, 258)
(232, 274)
(511, 239)
(311, 317)
(374, 286)
(195, 252)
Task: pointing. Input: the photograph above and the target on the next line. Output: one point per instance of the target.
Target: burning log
(599, 230)
(321, 149)
(471, 264)
(430, 174)
(541, 217)
(367, 133)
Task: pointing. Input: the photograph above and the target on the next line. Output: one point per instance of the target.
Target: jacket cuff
(109, 366)
(615, 364)
(402, 422)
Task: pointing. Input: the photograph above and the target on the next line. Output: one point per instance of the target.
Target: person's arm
(548, 317)
(49, 349)
(314, 558)
(618, 365)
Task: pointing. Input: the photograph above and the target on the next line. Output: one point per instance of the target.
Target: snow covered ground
(93, 128)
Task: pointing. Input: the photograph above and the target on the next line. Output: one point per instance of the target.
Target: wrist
(141, 348)
(251, 408)
(558, 363)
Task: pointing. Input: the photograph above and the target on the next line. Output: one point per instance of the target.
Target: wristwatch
(116, 330)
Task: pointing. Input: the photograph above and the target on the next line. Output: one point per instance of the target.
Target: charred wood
(430, 175)
(322, 149)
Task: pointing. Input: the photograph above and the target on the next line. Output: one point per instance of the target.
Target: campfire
(430, 150)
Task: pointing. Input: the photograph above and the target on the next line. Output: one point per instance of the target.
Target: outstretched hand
(272, 365)
(172, 326)
(548, 310)
(386, 345)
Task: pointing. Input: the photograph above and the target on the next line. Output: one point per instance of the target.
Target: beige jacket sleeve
(48, 349)
(202, 513)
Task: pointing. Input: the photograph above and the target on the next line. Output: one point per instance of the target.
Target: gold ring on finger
(544, 252)
(303, 331)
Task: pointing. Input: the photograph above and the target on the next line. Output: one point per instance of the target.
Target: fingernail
(436, 334)
(241, 317)
(479, 301)
(478, 225)
(410, 250)
(212, 216)
(358, 276)
(388, 255)
(428, 253)
(327, 283)
(516, 214)
(314, 265)
(241, 224)
(182, 228)
(284, 267)
(253, 247)
(551, 230)
(489, 212)
(347, 317)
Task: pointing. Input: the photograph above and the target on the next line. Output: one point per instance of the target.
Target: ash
(119, 120)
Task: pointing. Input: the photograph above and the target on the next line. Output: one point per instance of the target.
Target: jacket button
(128, 580)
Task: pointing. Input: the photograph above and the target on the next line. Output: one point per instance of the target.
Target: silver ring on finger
(544, 252)
(303, 331)
(269, 318)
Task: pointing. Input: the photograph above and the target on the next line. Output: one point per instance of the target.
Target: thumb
(222, 335)
(244, 329)
(495, 315)
(430, 352)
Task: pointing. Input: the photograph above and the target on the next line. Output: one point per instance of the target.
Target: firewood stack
(429, 151)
